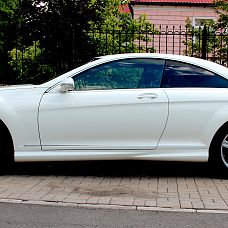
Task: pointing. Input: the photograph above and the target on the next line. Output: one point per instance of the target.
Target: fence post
(204, 43)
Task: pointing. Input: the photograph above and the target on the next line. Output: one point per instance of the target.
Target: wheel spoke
(224, 151)
(225, 144)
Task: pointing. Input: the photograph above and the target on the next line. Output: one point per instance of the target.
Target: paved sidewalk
(140, 191)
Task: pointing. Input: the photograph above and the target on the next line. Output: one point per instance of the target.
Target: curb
(112, 207)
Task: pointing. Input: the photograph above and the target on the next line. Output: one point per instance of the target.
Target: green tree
(71, 32)
(9, 19)
(216, 36)
(28, 64)
(221, 7)
(58, 25)
(194, 38)
(118, 32)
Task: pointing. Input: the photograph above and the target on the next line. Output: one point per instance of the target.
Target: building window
(199, 22)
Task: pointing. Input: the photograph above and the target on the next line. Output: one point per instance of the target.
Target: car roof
(192, 60)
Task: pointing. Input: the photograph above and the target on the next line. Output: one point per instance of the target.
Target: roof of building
(124, 8)
(172, 1)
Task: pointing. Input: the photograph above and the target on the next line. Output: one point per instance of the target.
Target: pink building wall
(173, 15)
(169, 16)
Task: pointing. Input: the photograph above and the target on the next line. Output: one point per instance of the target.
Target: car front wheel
(6, 150)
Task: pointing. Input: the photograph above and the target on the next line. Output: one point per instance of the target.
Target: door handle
(147, 96)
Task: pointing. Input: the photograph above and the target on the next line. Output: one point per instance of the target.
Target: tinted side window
(122, 74)
(178, 74)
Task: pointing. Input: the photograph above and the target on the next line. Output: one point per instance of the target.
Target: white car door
(117, 105)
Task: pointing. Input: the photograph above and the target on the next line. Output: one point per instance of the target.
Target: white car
(127, 106)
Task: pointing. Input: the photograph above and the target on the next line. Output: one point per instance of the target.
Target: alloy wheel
(224, 151)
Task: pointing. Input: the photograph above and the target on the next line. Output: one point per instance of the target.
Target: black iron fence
(201, 42)
(41, 57)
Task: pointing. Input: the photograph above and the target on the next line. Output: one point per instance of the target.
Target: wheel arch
(214, 139)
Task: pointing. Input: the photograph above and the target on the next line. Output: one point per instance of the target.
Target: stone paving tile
(151, 203)
(59, 197)
(198, 204)
(104, 200)
(124, 201)
(141, 191)
(186, 204)
(93, 200)
(140, 202)
(76, 198)
(48, 197)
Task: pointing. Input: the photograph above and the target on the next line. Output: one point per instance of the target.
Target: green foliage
(28, 66)
(9, 18)
(119, 32)
(221, 7)
(215, 41)
(59, 25)
(70, 32)
(216, 36)
(194, 38)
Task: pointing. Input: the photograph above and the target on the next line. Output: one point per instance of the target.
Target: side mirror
(67, 85)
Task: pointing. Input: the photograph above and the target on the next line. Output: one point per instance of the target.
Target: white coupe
(128, 106)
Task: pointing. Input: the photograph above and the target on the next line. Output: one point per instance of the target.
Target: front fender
(9, 117)
(19, 111)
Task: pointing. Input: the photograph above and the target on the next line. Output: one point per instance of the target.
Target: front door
(115, 106)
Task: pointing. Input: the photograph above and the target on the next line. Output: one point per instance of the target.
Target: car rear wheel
(218, 154)
(224, 151)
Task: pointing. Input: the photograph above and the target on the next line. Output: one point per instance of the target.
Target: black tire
(6, 150)
(218, 153)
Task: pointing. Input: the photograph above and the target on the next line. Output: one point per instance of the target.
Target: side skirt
(183, 154)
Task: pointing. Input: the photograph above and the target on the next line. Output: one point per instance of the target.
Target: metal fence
(205, 43)
(41, 57)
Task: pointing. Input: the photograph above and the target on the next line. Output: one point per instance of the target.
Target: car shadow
(116, 168)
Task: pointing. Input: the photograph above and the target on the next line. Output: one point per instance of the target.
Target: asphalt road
(23, 215)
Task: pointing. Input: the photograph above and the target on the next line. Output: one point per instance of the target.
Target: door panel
(103, 119)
